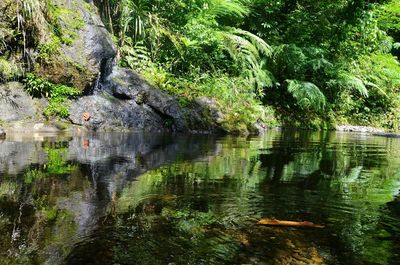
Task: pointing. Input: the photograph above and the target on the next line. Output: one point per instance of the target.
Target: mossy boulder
(80, 49)
(62, 41)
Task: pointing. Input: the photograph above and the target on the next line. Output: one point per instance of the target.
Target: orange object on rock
(86, 144)
(86, 116)
(274, 222)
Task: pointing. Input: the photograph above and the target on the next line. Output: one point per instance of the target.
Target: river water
(176, 199)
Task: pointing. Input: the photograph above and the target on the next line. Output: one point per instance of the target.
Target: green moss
(59, 16)
(48, 50)
(141, 98)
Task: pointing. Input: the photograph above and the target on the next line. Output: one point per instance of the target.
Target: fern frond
(354, 83)
(247, 52)
(221, 8)
(307, 95)
(258, 42)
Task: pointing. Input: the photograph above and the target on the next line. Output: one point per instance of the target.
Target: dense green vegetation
(316, 62)
(308, 63)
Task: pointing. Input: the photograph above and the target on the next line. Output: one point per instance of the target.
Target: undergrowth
(57, 95)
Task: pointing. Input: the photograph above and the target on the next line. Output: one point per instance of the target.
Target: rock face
(82, 55)
(87, 50)
(15, 103)
(127, 102)
(123, 100)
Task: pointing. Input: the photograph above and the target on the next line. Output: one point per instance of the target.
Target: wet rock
(210, 105)
(112, 114)
(127, 102)
(204, 116)
(125, 84)
(260, 127)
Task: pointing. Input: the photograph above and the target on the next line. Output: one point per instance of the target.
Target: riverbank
(65, 69)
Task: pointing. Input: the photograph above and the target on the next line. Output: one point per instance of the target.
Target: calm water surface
(161, 199)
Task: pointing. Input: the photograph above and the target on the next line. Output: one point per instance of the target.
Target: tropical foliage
(317, 63)
(330, 61)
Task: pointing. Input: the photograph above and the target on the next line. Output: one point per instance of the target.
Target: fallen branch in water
(274, 222)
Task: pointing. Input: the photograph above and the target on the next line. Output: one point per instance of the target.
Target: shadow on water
(165, 199)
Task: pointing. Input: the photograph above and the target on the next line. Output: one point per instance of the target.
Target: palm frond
(258, 42)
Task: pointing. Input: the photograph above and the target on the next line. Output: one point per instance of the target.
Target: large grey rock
(126, 84)
(15, 103)
(108, 113)
(94, 42)
(127, 102)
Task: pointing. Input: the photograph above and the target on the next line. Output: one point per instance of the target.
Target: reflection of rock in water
(16, 156)
(103, 168)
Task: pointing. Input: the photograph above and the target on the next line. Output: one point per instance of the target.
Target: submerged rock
(2, 133)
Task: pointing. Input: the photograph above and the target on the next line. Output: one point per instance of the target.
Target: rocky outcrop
(204, 115)
(127, 102)
(16, 104)
(81, 54)
(86, 49)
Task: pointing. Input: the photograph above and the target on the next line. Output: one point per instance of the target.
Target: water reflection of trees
(341, 180)
(147, 197)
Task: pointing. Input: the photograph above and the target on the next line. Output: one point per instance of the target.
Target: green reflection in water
(101, 208)
(31, 218)
(339, 181)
